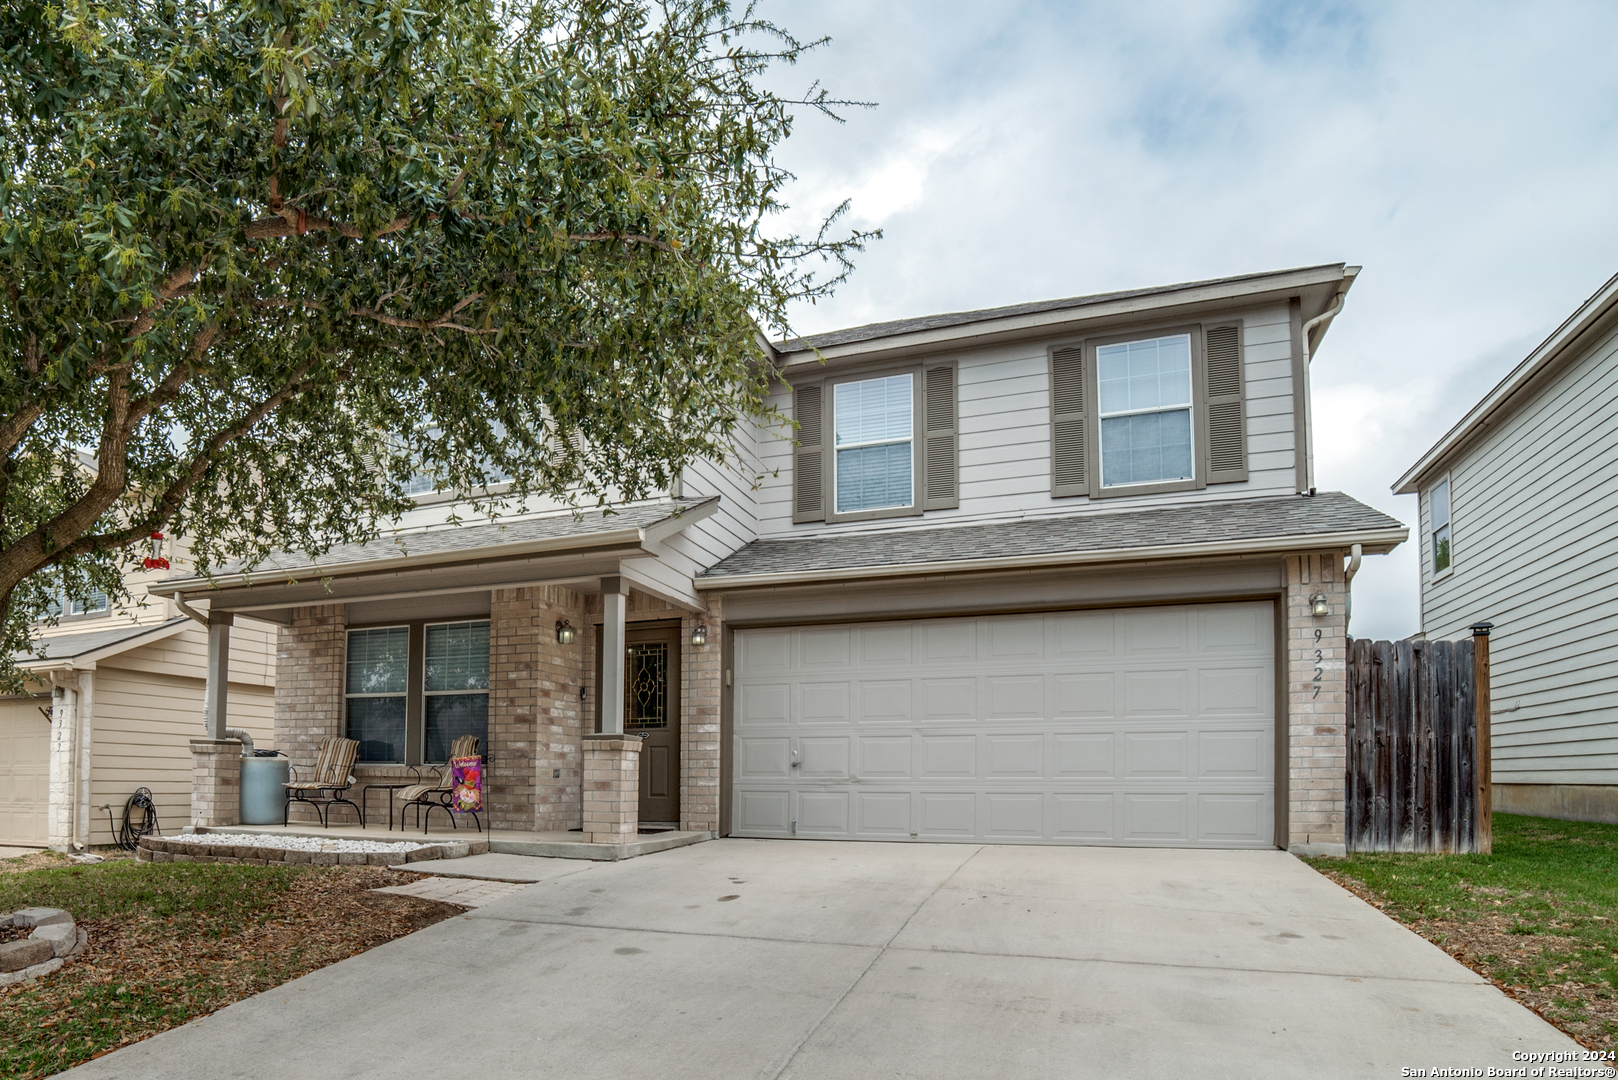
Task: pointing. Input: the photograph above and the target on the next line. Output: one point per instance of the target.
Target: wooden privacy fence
(1418, 745)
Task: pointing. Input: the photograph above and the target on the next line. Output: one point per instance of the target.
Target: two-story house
(1518, 505)
(115, 697)
(1053, 573)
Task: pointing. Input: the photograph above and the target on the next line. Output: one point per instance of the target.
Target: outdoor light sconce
(564, 632)
(699, 635)
(1319, 606)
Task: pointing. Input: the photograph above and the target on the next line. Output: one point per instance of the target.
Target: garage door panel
(1165, 816)
(25, 747)
(1089, 756)
(1015, 756)
(762, 813)
(884, 757)
(1235, 818)
(1016, 697)
(825, 703)
(1234, 692)
(1084, 695)
(885, 702)
(825, 647)
(763, 705)
(948, 699)
(824, 814)
(886, 643)
(1014, 816)
(1156, 693)
(1234, 754)
(760, 758)
(883, 813)
(948, 815)
(761, 652)
(1146, 727)
(1156, 632)
(1087, 816)
(823, 757)
(945, 757)
(1156, 754)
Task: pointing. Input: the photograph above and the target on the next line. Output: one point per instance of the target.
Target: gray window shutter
(1070, 473)
(808, 466)
(1224, 409)
(942, 451)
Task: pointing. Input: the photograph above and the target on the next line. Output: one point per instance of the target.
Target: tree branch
(445, 321)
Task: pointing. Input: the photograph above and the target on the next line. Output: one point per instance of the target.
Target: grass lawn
(169, 942)
(1539, 917)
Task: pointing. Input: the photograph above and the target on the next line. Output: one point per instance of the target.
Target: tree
(249, 248)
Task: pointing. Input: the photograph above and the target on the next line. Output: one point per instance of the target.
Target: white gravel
(298, 843)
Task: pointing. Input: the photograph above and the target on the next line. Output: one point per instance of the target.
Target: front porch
(500, 636)
(532, 842)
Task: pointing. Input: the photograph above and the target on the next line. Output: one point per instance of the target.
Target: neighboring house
(1519, 503)
(1052, 573)
(117, 697)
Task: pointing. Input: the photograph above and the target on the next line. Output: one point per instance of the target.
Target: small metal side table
(365, 796)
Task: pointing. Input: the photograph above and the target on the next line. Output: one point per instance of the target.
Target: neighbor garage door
(25, 771)
(1141, 726)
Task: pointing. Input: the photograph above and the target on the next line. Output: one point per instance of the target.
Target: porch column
(614, 603)
(217, 692)
(611, 788)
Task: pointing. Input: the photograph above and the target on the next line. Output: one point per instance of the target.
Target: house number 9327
(1319, 671)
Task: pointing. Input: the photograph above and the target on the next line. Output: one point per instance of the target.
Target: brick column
(700, 677)
(535, 714)
(611, 789)
(309, 688)
(216, 781)
(1317, 704)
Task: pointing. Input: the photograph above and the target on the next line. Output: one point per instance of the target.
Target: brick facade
(309, 688)
(1317, 708)
(535, 716)
(700, 678)
(611, 789)
(216, 782)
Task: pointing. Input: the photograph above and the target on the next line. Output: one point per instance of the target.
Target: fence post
(1483, 765)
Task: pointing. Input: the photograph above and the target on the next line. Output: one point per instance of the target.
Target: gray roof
(1282, 519)
(871, 331)
(451, 539)
(69, 646)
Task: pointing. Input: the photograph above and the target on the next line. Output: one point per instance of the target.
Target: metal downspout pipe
(1308, 396)
(1349, 571)
(81, 816)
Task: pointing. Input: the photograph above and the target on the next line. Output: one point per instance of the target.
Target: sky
(1465, 154)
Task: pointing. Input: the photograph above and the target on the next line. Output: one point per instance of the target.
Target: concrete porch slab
(570, 846)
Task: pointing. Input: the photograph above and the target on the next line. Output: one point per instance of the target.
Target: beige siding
(144, 719)
(1005, 437)
(25, 771)
(1533, 515)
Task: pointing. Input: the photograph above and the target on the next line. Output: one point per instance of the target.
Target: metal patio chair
(436, 796)
(333, 776)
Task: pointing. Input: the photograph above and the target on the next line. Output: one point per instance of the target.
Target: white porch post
(614, 603)
(217, 693)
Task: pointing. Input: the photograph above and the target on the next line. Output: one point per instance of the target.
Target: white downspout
(1308, 396)
(1349, 571)
(81, 817)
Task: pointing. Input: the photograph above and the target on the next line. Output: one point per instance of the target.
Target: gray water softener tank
(264, 794)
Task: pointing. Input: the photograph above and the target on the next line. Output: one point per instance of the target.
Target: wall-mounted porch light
(564, 632)
(1319, 606)
(699, 635)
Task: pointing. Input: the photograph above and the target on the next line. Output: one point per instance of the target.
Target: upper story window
(95, 603)
(1145, 406)
(875, 435)
(1438, 522)
(1143, 413)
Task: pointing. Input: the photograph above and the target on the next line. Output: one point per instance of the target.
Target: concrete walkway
(781, 959)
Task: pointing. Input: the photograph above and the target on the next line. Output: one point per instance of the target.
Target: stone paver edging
(160, 850)
(55, 939)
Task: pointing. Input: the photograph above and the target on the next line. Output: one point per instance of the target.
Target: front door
(652, 713)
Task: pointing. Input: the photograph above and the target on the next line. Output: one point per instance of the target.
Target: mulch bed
(1488, 945)
(140, 975)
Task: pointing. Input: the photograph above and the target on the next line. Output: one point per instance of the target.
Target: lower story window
(400, 715)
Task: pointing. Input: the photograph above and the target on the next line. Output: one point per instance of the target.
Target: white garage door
(1140, 726)
(25, 772)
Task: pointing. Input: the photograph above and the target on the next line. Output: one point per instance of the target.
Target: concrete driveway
(757, 958)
